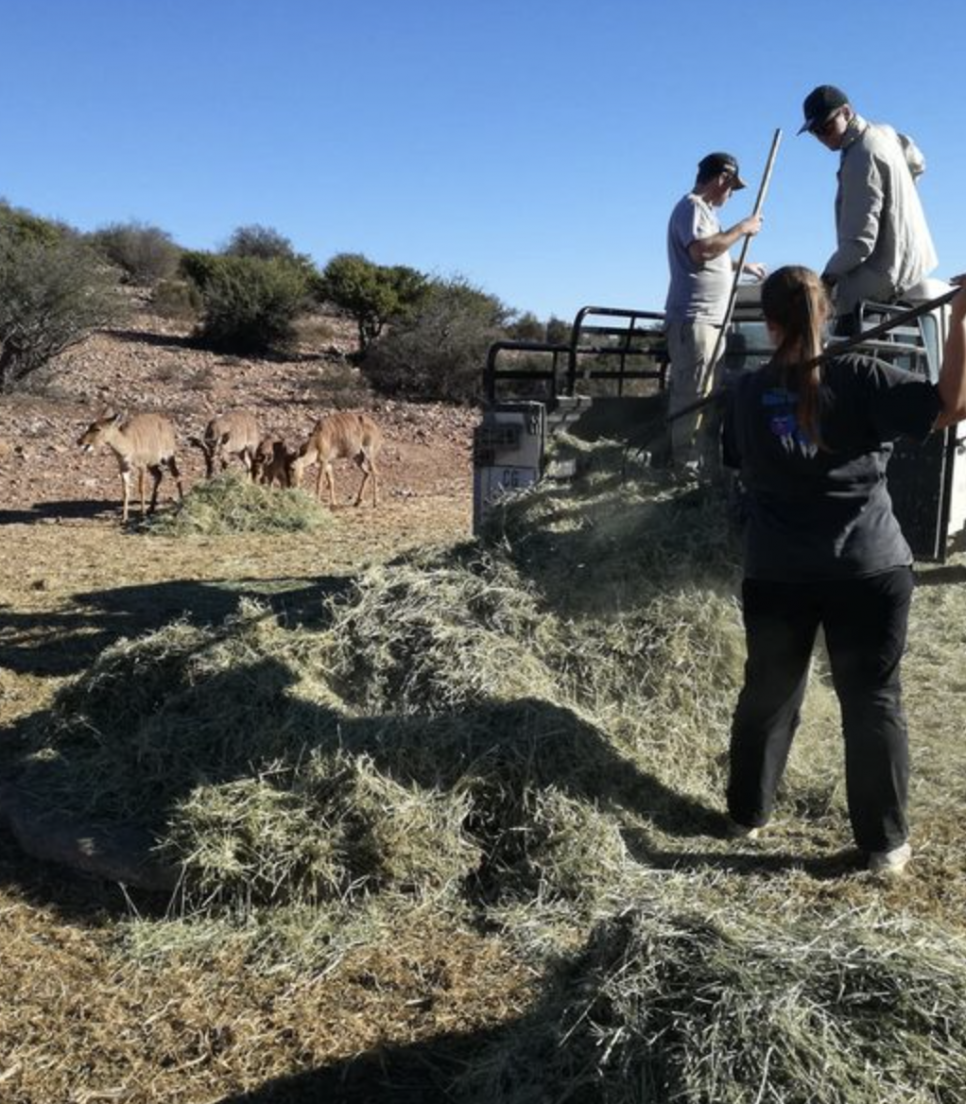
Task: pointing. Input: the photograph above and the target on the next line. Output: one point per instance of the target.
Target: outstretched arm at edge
(952, 375)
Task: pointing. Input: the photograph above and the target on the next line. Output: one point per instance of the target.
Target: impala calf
(341, 436)
(145, 442)
(272, 462)
(234, 434)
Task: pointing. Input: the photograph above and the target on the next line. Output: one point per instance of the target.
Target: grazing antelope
(144, 442)
(272, 462)
(341, 436)
(234, 434)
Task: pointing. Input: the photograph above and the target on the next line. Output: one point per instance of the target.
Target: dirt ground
(77, 1024)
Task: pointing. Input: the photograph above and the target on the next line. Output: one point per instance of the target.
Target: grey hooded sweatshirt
(884, 244)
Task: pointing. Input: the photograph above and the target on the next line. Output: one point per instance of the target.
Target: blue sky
(534, 147)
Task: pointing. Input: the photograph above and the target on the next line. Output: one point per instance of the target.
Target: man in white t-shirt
(701, 277)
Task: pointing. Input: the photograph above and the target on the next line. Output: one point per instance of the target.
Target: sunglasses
(826, 128)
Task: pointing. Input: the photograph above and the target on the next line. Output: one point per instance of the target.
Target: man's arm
(706, 249)
(858, 217)
(952, 375)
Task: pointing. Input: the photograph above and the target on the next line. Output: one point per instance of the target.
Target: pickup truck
(609, 378)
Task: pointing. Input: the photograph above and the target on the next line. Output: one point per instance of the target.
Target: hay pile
(232, 503)
(530, 732)
(466, 724)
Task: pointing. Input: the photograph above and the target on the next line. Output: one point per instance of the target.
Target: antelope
(341, 436)
(143, 442)
(272, 462)
(234, 434)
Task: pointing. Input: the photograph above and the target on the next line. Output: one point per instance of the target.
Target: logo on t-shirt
(782, 408)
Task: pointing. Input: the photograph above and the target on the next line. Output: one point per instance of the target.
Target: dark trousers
(865, 634)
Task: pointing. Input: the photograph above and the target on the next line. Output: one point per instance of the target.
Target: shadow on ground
(66, 510)
(59, 644)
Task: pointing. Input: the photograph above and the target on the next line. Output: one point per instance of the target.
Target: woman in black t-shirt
(823, 548)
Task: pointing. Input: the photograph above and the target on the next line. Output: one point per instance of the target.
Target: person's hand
(750, 225)
(757, 271)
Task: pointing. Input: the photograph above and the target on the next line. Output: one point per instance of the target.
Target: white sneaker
(890, 863)
(742, 831)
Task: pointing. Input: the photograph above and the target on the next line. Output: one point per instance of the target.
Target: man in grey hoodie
(884, 244)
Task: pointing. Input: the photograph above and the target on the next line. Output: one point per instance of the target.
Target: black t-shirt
(825, 512)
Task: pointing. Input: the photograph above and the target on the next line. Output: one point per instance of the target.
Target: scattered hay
(232, 503)
(328, 829)
(731, 1008)
(462, 726)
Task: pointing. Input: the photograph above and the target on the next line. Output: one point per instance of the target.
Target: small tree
(372, 294)
(261, 242)
(250, 305)
(438, 351)
(145, 254)
(52, 294)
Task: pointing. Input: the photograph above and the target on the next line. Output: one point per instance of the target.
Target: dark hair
(793, 298)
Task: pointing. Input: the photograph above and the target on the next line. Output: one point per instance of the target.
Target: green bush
(20, 226)
(250, 305)
(439, 350)
(558, 331)
(144, 254)
(198, 266)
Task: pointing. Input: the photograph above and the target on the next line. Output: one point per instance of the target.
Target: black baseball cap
(719, 162)
(820, 105)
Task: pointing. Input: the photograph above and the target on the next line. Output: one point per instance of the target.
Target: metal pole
(707, 382)
(759, 202)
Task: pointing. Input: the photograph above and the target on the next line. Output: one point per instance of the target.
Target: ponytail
(793, 299)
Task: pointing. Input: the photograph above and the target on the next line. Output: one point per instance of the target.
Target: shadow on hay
(59, 644)
(757, 863)
(142, 758)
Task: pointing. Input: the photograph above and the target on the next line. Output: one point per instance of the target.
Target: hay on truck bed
(533, 732)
